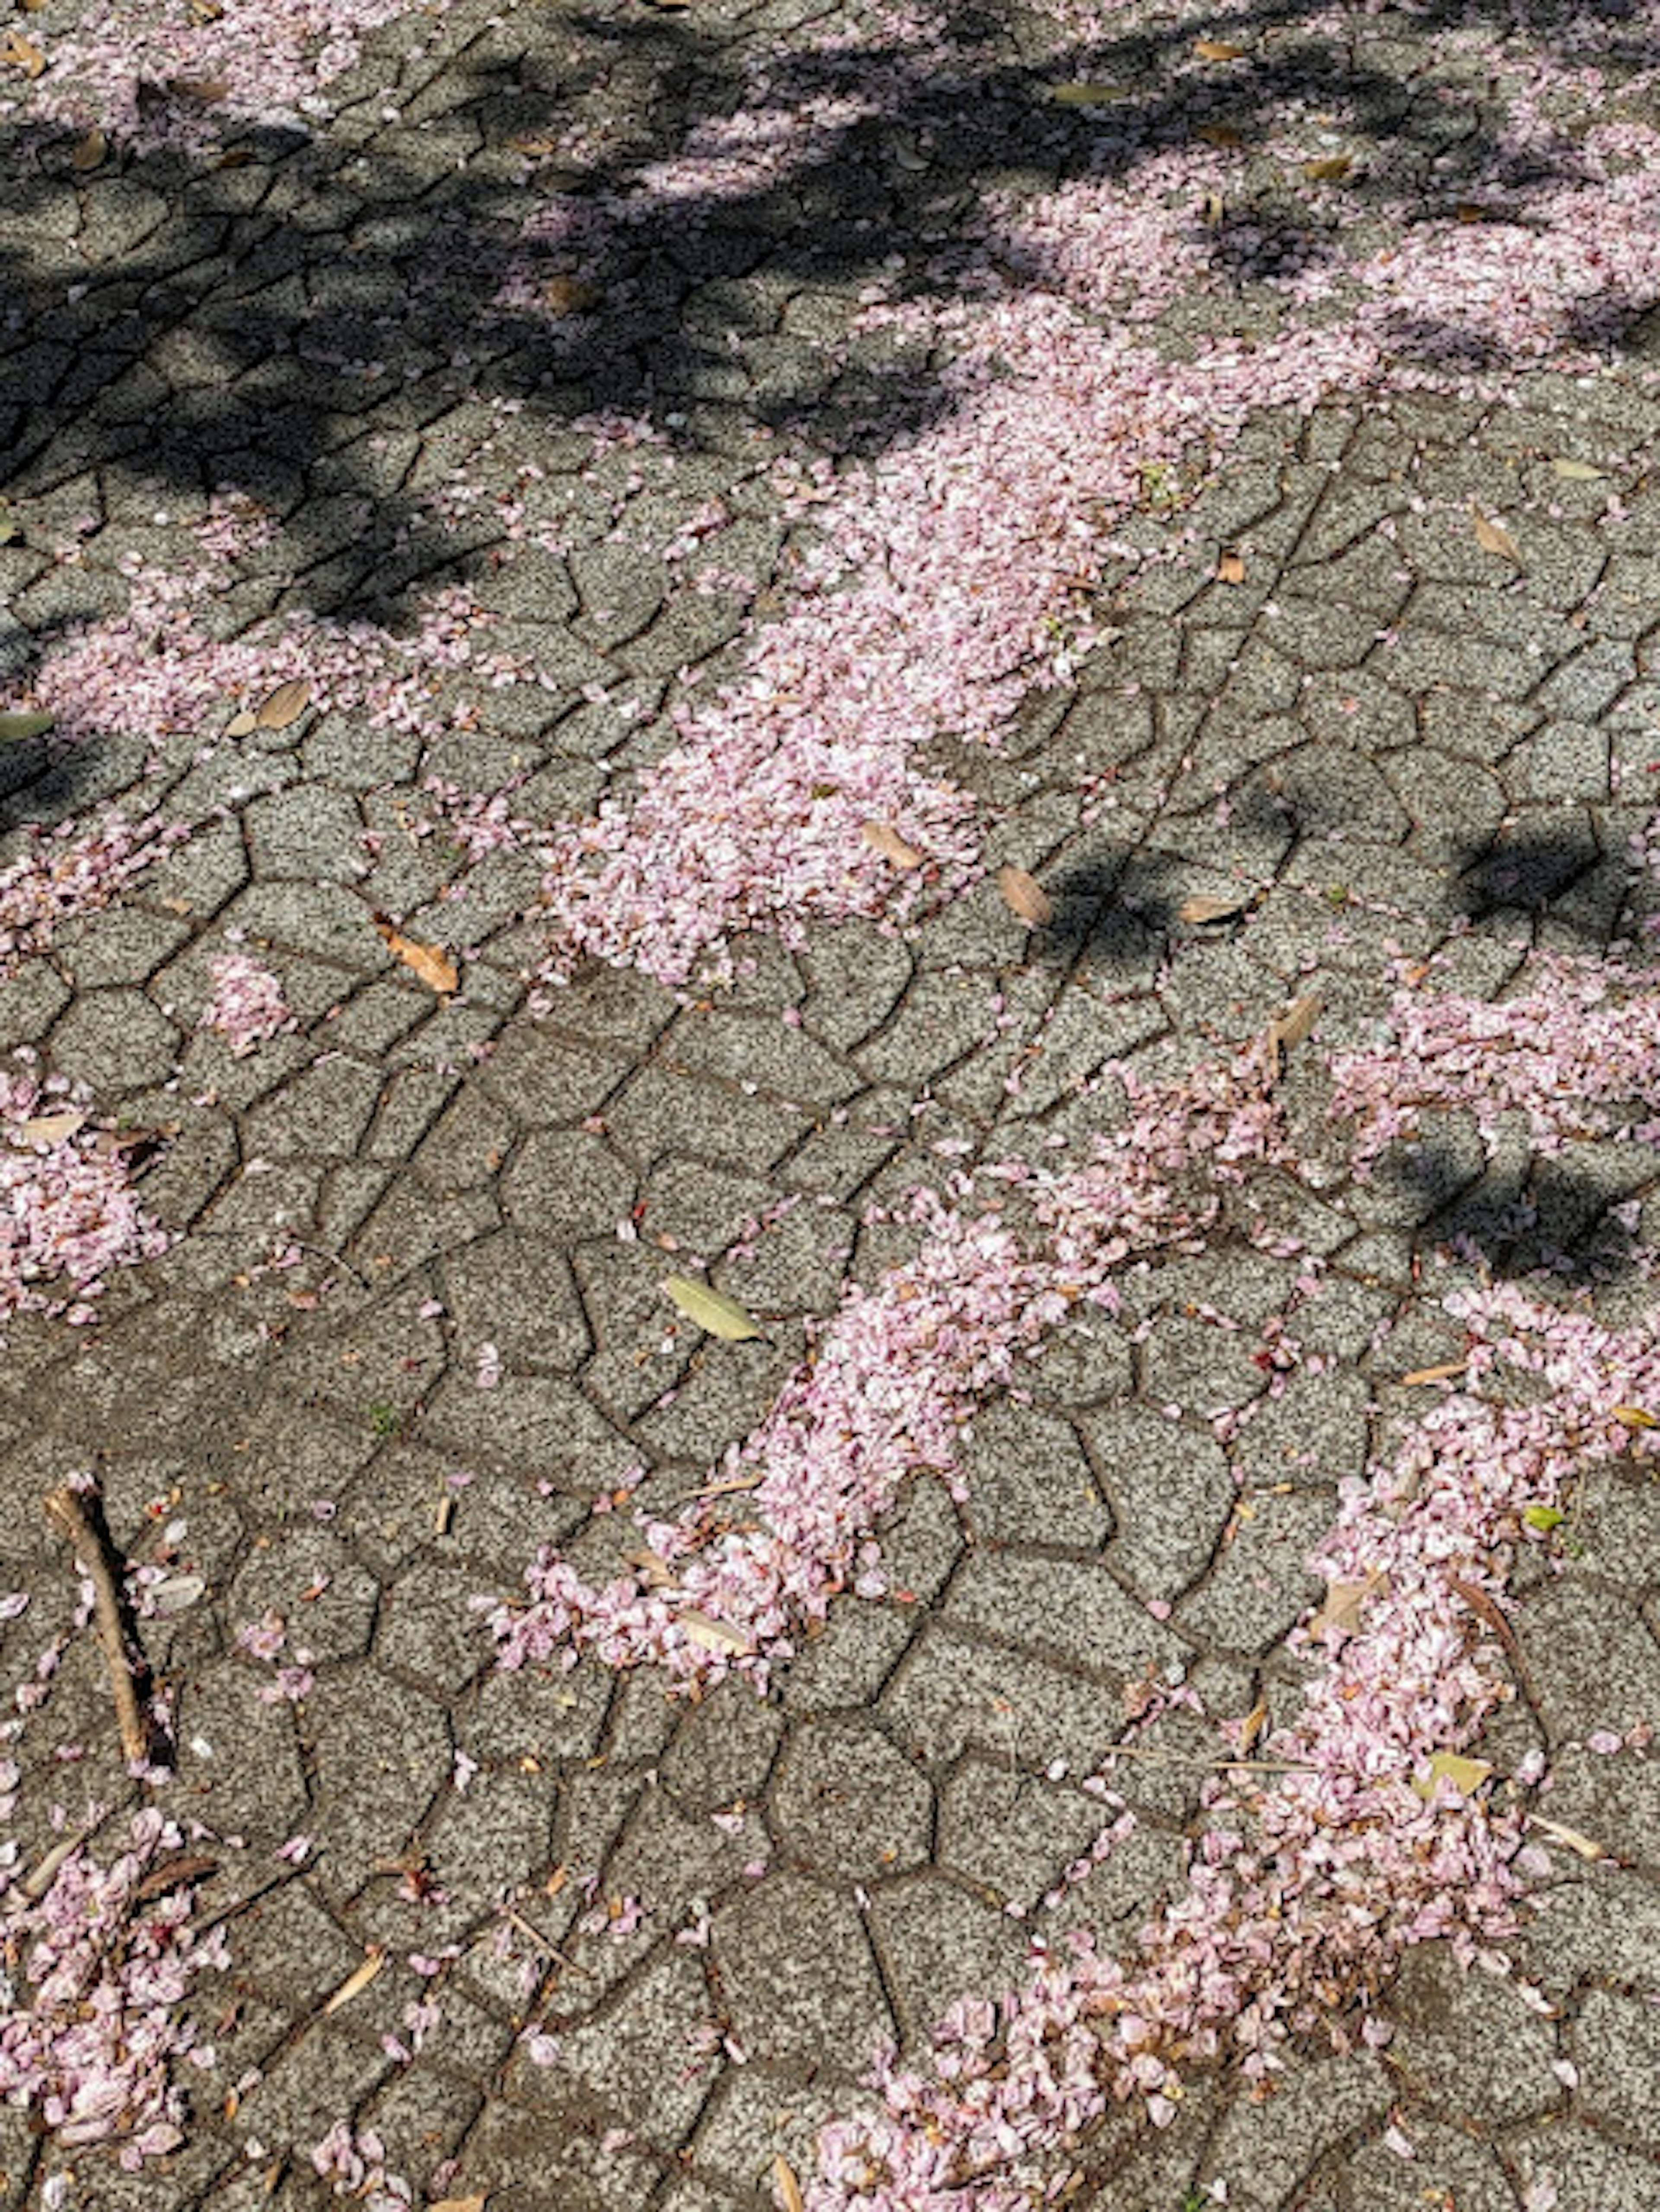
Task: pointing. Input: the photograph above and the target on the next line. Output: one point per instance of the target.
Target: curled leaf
(1199, 909)
(358, 1980)
(1231, 567)
(1635, 1417)
(89, 151)
(1444, 1373)
(786, 2189)
(435, 967)
(1024, 895)
(19, 52)
(1493, 538)
(720, 1316)
(882, 837)
(1586, 1847)
(1295, 1024)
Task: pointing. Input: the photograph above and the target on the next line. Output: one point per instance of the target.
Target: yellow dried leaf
(358, 1980)
(19, 52)
(786, 2189)
(1635, 1417)
(1466, 1775)
(1199, 909)
(89, 151)
(53, 1128)
(1251, 1727)
(1217, 50)
(882, 837)
(714, 1635)
(435, 967)
(17, 729)
(721, 1316)
(461, 2203)
(1230, 569)
(285, 705)
(1329, 169)
(1493, 538)
(1024, 895)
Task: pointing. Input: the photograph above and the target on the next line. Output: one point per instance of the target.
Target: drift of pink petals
(68, 1211)
(92, 2018)
(248, 1005)
(1301, 1897)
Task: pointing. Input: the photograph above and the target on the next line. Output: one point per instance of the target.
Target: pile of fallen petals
(156, 74)
(69, 871)
(68, 1210)
(1300, 1896)
(248, 1005)
(94, 1974)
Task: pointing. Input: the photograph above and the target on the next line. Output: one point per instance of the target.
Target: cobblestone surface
(1383, 738)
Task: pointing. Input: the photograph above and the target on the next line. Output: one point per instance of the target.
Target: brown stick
(69, 1512)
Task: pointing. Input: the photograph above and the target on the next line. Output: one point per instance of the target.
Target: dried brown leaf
(1230, 569)
(1586, 1846)
(1251, 1727)
(1085, 95)
(1328, 170)
(1493, 538)
(173, 1874)
(713, 1635)
(1217, 50)
(240, 726)
(1024, 895)
(1199, 908)
(461, 2203)
(204, 91)
(1220, 134)
(1295, 1024)
(1635, 1417)
(435, 967)
(1444, 1373)
(882, 837)
(786, 2189)
(358, 1980)
(285, 705)
(1340, 1612)
(566, 295)
(1212, 210)
(89, 151)
(653, 1569)
(53, 1128)
(19, 52)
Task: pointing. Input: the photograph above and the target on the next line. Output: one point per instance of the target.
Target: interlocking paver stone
(542, 492)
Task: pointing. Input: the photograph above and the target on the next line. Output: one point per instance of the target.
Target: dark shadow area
(1535, 871)
(229, 341)
(1112, 912)
(1551, 1213)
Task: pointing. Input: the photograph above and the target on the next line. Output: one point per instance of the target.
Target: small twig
(549, 1949)
(82, 1522)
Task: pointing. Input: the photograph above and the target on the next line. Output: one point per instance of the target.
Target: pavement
(1383, 735)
